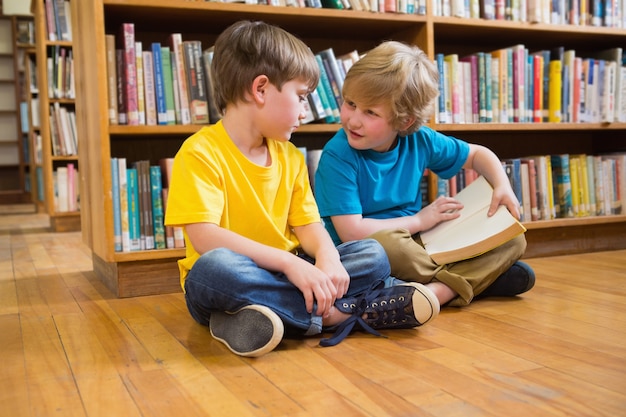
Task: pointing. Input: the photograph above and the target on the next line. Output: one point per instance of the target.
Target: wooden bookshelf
(63, 216)
(14, 161)
(150, 272)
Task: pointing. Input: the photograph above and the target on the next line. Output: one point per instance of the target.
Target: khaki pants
(410, 262)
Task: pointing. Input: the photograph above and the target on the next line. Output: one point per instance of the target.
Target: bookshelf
(56, 102)
(14, 169)
(155, 271)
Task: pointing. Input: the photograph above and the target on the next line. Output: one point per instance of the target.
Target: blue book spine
(117, 213)
(133, 209)
(441, 100)
(159, 84)
(156, 187)
(325, 82)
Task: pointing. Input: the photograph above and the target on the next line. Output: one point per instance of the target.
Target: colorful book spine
(168, 84)
(127, 45)
(134, 223)
(157, 206)
(562, 185)
(176, 47)
(117, 219)
(141, 98)
(149, 90)
(196, 85)
(555, 85)
(124, 216)
(159, 85)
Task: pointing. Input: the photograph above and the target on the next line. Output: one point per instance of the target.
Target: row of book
(139, 192)
(325, 101)
(547, 186)
(375, 6)
(558, 186)
(66, 188)
(58, 20)
(513, 85)
(63, 132)
(60, 70)
(164, 84)
(606, 13)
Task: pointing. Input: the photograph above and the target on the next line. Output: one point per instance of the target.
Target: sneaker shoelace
(358, 310)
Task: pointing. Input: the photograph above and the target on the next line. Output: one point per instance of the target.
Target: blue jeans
(223, 280)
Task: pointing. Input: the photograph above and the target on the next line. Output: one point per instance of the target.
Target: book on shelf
(117, 214)
(111, 78)
(562, 185)
(195, 81)
(183, 115)
(128, 74)
(134, 213)
(158, 213)
(141, 97)
(473, 232)
(124, 216)
(149, 88)
(215, 113)
(168, 84)
(159, 84)
(555, 85)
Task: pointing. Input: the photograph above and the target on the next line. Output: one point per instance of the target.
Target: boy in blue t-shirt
(368, 180)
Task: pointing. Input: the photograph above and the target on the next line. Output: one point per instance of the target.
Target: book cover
(141, 97)
(176, 47)
(111, 78)
(124, 215)
(196, 85)
(328, 90)
(215, 113)
(168, 84)
(328, 56)
(562, 185)
(115, 194)
(134, 222)
(159, 85)
(149, 89)
(158, 212)
(555, 85)
(533, 188)
(126, 42)
(473, 232)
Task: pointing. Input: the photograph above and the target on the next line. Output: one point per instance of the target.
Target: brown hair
(248, 49)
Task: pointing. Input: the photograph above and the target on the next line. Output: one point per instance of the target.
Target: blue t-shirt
(382, 185)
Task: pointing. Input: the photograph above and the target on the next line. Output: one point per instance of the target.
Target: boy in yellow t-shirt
(259, 263)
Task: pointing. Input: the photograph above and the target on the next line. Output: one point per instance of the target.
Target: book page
(474, 232)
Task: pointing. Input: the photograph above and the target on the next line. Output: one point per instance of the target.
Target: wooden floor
(69, 348)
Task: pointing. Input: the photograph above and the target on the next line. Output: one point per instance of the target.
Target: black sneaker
(516, 280)
(398, 307)
(251, 331)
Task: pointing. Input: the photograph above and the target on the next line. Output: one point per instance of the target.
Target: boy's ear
(259, 85)
(406, 122)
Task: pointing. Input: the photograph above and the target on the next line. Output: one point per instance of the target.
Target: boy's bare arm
(314, 284)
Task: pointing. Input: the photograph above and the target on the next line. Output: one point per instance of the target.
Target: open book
(473, 232)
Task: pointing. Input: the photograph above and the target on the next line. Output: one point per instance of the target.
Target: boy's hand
(504, 196)
(315, 285)
(440, 210)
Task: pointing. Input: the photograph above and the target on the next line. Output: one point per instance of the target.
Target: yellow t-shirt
(213, 182)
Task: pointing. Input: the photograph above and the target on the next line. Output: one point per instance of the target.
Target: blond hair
(248, 49)
(397, 75)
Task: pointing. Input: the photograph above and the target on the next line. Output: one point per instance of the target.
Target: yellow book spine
(554, 95)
